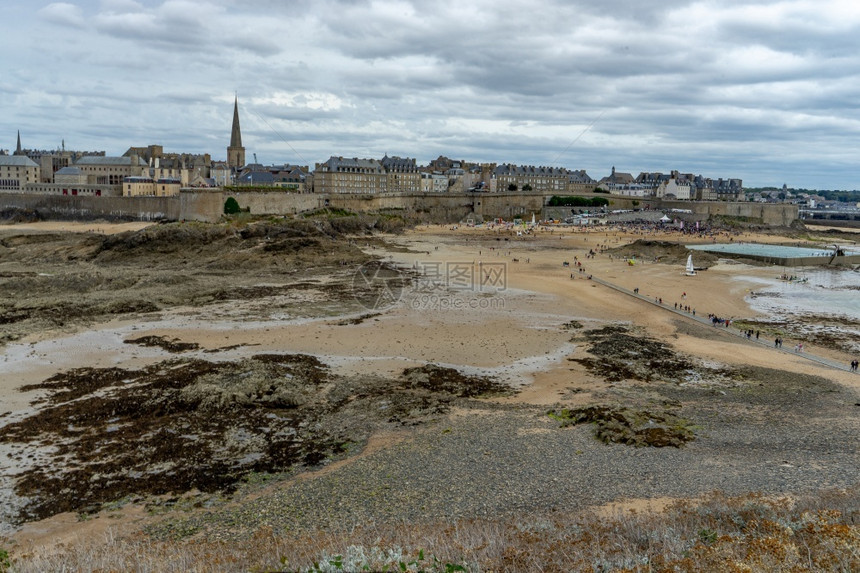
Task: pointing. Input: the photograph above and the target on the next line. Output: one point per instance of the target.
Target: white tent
(665, 219)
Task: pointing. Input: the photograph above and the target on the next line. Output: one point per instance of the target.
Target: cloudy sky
(766, 91)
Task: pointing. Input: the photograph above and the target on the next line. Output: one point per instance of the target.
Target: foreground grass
(733, 534)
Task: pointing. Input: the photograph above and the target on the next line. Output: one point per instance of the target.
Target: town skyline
(251, 160)
(761, 91)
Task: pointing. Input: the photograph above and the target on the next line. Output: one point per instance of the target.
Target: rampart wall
(208, 205)
(88, 208)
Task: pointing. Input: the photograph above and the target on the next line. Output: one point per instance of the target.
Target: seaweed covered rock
(440, 379)
(631, 427)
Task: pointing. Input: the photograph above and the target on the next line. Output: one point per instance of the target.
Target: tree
(512, 187)
(231, 206)
(527, 187)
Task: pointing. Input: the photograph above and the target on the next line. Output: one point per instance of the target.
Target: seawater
(760, 249)
(820, 296)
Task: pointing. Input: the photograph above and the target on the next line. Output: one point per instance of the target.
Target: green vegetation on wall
(574, 201)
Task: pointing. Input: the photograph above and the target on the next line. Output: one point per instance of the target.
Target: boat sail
(691, 271)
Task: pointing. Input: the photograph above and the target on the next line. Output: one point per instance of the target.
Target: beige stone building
(433, 183)
(149, 187)
(70, 181)
(17, 171)
(187, 167)
(52, 161)
(110, 170)
(402, 174)
(70, 176)
(368, 176)
(679, 189)
(345, 175)
(221, 174)
(531, 179)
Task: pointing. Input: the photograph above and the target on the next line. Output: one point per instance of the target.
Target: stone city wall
(208, 205)
(88, 208)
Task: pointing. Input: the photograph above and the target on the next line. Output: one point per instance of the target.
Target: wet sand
(514, 330)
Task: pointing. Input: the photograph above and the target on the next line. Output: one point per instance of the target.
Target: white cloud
(63, 14)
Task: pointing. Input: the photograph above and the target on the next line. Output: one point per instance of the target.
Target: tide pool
(821, 296)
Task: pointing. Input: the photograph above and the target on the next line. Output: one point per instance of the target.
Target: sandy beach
(488, 303)
(512, 329)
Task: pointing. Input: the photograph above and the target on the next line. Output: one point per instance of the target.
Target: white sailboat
(691, 271)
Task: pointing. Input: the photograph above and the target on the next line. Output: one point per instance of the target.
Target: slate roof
(347, 164)
(508, 169)
(399, 164)
(258, 177)
(95, 160)
(17, 161)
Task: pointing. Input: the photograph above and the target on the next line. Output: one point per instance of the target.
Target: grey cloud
(676, 84)
(247, 41)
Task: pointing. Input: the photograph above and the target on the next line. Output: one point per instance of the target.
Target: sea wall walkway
(729, 331)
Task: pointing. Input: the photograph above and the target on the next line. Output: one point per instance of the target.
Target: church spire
(18, 149)
(236, 135)
(235, 152)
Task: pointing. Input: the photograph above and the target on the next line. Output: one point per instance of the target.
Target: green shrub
(231, 206)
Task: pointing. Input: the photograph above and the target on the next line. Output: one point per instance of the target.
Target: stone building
(17, 171)
(70, 176)
(674, 187)
(143, 186)
(345, 175)
(187, 167)
(110, 170)
(433, 183)
(367, 176)
(531, 179)
(285, 177)
(52, 161)
(580, 182)
(616, 180)
(221, 174)
(71, 181)
(402, 174)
